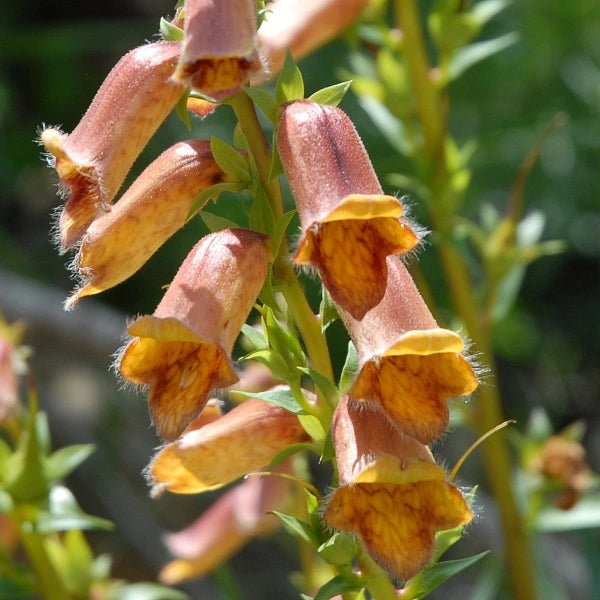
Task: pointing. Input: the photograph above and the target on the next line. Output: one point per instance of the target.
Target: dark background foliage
(53, 56)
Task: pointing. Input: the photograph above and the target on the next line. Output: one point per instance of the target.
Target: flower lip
(93, 160)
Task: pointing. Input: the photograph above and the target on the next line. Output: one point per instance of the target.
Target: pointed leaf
(350, 369)
(289, 451)
(216, 222)
(283, 398)
(327, 311)
(486, 10)
(182, 110)
(339, 549)
(255, 336)
(261, 217)
(324, 385)
(290, 85)
(63, 461)
(334, 587)
(302, 528)
(331, 95)
(229, 160)
(212, 193)
(170, 32)
(264, 101)
(438, 573)
(279, 231)
(470, 55)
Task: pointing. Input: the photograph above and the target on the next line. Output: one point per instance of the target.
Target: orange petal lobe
(397, 523)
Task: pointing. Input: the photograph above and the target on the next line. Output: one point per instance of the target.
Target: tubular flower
(238, 515)
(119, 242)
(93, 161)
(391, 494)
(183, 350)
(219, 47)
(407, 364)
(349, 226)
(245, 439)
(301, 26)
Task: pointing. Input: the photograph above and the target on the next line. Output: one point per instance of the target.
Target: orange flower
(301, 26)
(219, 47)
(349, 226)
(237, 516)
(407, 364)
(119, 242)
(245, 439)
(183, 350)
(391, 494)
(93, 161)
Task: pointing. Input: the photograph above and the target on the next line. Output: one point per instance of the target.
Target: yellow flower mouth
(397, 523)
(350, 245)
(180, 373)
(215, 77)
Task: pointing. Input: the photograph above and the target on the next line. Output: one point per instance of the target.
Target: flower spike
(219, 47)
(391, 494)
(407, 364)
(349, 226)
(183, 350)
(93, 161)
(119, 242)
(245, 439)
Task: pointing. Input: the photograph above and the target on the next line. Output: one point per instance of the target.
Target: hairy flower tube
(348, 226)
(183, 350)
(300, 26)
(156, 205)
(392, 495)
(238, 515)
(245, 439)
(93, 161)
(407, 364)
(219, 47)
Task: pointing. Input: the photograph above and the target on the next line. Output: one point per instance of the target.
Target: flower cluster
(391, 492)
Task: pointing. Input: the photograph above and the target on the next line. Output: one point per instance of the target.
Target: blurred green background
(53, 57)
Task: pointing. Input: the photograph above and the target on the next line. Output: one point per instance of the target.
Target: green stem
(49, 582)
(488, 412)
(308, 324)
(375, 579)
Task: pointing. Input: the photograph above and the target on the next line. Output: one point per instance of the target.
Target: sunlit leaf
(350, 368)
(62, 462)
(331, 95)
(302, 528)
(264, 101)
(290, 85)
(282, 397)
(216, 222)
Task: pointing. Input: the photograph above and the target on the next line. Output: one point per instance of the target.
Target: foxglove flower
(391, 494)
(348, 225)
(183, 350)
(156, 205)
(219, 47)
(407, 364)
(245, 439)
(238, 515)
(93, 161)
(300, 26)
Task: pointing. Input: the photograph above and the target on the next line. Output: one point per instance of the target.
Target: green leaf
(334, 587)
(312, 426)
(216, 222)
(182, 111)
(327, 311)
(486, 10)
(324, 385)
(331, 95)
(170, 32)
(289, 451)
(328, 450)
(147, 591)
(62, 462)
(229, 160)
(276, 167)
(470, 55)
(438, 573)
(290, 85)
(261, 217)
(302, 528)
(350, 368)
(264, 101)
(282, 397)
(284, 342)
(279, 231)
(255, 336)
(338, 550)
(64, 513)
(213, 192)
